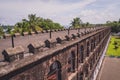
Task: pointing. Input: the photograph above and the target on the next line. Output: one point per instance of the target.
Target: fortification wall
(73, 59)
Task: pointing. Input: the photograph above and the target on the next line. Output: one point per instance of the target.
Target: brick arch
(86, 69)
(97, 37)
(55, 71)
(81, 50)
(95, 42)
(81, 76)
(71, 61)
(92, 44)
(88, 48)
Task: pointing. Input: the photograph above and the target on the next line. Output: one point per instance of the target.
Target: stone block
(60, 40)
(56, 30)
(17, 34)
(74, 36)
(35, 46)
(78, 34)
(25, 33)
(43, 31)
(12, 54)
(47, 31)
(50, 43)
(68, 38)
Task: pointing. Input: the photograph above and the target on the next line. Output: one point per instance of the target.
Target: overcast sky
(61, 11)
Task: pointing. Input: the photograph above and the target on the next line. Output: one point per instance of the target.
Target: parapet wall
(72, 58)
(42, 32)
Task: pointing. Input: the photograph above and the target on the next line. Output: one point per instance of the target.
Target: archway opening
(81, 76)
(71, 62)
(88, 50)
(92, 45)
(55, 71)
(81, 53)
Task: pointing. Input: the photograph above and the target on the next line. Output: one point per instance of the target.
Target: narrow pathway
(110, 69)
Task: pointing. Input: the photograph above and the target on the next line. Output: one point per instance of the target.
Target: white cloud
(41, 8)
(52, 6)
(56, 10)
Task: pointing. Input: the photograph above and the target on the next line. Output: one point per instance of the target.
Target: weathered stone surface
(60, 39)
(67, 55)
(50, 43)
(12, 54)
(35, 47)
(78, 34)
(68, 38)
(74, 36)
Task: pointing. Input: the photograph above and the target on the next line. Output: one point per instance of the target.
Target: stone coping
(14, 51)
(46, 31)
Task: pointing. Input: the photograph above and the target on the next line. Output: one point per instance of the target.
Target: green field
(112, 50)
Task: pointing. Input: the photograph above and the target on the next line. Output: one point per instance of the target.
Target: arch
(81, 76)
(92, 45)
(86, 70)
(97, 41)
(81, 53)
(71, 61)
(55, 71)
(99, 37)
(91, 64)
(94, 42)
(88, 50)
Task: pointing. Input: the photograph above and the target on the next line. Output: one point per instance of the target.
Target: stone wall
(73, 60)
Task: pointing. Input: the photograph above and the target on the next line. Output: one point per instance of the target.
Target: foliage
(114, 47)
(1, 31)
(9, 30)
(115, 25)
(34, 23)
(76, 23)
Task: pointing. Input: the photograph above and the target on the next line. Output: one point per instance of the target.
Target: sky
(61, 11)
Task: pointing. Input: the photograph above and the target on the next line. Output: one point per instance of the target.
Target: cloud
(59, 10)
(52, 6)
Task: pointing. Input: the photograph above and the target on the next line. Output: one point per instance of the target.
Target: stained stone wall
(62, 62)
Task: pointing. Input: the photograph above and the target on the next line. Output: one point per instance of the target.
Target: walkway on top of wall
(24, 41)
(110, 69)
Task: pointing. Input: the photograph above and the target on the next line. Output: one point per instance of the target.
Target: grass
(111, 51)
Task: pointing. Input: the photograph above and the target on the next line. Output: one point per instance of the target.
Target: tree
(76, 23)
(87, 24)
(34, 23)
(1, 31)
(9, 30)
(115, 25)
(119, 21)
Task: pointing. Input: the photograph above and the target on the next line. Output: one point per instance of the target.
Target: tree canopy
(1, 31)
(76, 22)
(115, 25)
(31, 24)
(34, 23)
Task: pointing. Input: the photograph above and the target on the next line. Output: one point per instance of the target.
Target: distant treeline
(34, 24)
(115, 25)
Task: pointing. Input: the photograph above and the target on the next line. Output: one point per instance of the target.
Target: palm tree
(32, 19)
(76, 23)
(20, 27)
